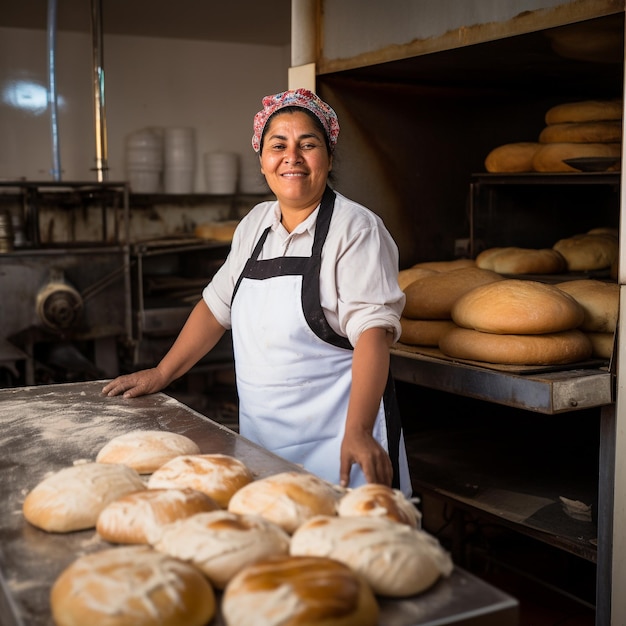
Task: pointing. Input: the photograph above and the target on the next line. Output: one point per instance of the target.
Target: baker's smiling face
(295, 160)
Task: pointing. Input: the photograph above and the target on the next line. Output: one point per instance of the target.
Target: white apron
(294, 371)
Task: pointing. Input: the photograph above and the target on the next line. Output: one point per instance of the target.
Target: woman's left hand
(361, 448)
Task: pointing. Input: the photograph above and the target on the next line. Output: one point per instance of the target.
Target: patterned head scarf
(296, 98)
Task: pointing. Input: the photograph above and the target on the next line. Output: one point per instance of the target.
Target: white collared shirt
(359, 269)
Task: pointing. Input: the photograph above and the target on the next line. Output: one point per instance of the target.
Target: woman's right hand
(136, 384)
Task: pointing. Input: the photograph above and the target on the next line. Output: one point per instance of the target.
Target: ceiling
(235, 21)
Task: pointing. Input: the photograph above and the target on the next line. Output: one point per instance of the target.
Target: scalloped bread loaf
(585, 111)
(72, 498)
(287, 499)
(395, 559)
(146, 450)
(219, 476)
(599, 300)
(131, 586)
(221, 543)
(588, 251)
(609, 131)
(569, 346)
(139, 517)
(375, 500)
(299, 591)
(514, 260)
(432, 297)
(515, 306)
(512, 157)
(423, 332)
(550, 157)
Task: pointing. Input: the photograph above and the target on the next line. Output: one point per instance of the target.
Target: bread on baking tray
(72, 498)
(140, 516)
(217, 475)
(397, 560)
(220, 231)
(299, 590)
(512, 157)
(375, 500)
(131, 586)
(514, 306)
(588, 251)
(585, 111)
(146, 450)
(221, 543)
(568, 346)
(287, 499)
(550, 157)
(515, 260)
(599, 301)
(583, 132)
(411, 274)
(423, 332)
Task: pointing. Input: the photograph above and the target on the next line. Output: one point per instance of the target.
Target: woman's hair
(297, 109)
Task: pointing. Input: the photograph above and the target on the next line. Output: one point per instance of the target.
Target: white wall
(213, 87)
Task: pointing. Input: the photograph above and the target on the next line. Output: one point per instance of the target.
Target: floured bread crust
(217, 475)
(287, 499)
(72, 498)
(146, 450)
(139, 517)
(395, 559)
(131, 586)
(299, 591)
(512, 306)
(374, 500)
(222, 543)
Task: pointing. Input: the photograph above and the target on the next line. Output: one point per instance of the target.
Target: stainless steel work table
(46, 428)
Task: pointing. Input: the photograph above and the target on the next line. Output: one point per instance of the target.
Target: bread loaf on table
(146, 450)
(131, 586)
(512, 157)
(432, 297)
(395, 559)
(599, 301)
(569, 346)
(586, 252)
(221, 543)
(515, 306)
(139, 517)
(219, 476)
(299, 591)
(73, 498)
(514, 260)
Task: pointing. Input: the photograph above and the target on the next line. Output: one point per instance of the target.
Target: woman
(310, 292)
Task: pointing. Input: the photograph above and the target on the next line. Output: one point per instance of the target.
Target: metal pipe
(52, 90)
(98, 85)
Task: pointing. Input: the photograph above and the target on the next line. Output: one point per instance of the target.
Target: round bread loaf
(601, 344)
(139, 517)
(395, 559)
(131, 586)
(585, 111)
(514, 306)
(73, 498)
(222, 543)
(411, 274)
(374, 500)
(287, 499)
(445, 266)
(513, 260)
(550, 157)
(423, 332)
(512, 157)
(219, 476)
(432, 297)
(220, 231)
(587, 252)
(582, 132)
(599, 301)
(299, 591)
(146, 450)
(568, 346)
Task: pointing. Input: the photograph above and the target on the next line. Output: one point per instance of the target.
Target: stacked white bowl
(250, 179)
(221, 171)
(179, 154)
(144, 160)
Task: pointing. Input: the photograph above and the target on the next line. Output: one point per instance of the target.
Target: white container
(221, 172)
(179, 147)
(178, 180)
(144, 160)
(144, 181)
